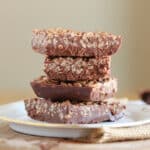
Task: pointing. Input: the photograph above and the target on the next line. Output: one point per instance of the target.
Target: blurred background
(128, 18)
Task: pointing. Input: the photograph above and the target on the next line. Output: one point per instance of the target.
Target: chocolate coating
(86, 91)
(73, 113)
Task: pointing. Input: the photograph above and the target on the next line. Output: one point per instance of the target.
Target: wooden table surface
(11, 140)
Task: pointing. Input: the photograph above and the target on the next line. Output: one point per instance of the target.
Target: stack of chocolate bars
(78, 85)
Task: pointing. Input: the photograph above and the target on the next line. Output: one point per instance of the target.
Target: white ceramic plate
(137, 113)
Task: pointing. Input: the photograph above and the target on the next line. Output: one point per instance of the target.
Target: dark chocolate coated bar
(86, 91)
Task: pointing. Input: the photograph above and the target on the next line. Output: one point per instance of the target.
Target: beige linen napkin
(107, 134)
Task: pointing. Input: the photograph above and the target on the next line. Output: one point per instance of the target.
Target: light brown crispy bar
(68, 112)
(77, 69)
(62, 42)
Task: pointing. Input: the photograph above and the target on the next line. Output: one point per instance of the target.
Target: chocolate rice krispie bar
(80, 90)
(77, 69)
(62, 42)
(68, 112)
